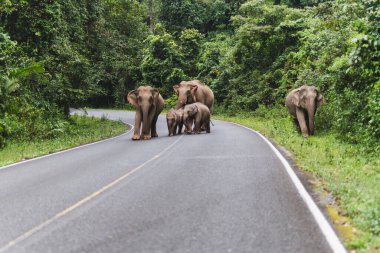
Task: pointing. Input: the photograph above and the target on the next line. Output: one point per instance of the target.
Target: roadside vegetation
(60, 54)
(78, 130)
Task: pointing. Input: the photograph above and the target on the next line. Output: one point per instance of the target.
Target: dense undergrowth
(348, 171)
(77, 130)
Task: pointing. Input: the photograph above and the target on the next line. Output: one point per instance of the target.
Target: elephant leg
(188, 125)
(147, 127)
(153, 127)
(146, 136)
(136, 133)
(302, 122)
(208, 127)
(307, 122)
(169, 127)
(295, 121)
(203, 127)
(180, 125)
(174, 129)
(197, 126)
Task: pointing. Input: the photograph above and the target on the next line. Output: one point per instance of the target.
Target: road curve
(221, 192)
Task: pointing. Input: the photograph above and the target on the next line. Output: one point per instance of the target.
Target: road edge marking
(328, 232)
(83, 201)
(67, 150)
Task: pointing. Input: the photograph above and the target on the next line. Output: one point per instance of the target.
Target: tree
(163, 63)
(177, 15)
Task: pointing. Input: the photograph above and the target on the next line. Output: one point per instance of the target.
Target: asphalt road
(221, 192)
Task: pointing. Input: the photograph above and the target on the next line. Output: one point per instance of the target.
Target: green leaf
(26, 71)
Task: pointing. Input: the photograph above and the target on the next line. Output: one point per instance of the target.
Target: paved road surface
(221, 192)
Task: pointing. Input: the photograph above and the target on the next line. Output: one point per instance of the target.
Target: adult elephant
(302, 104)
(189, 92)
(149, 104)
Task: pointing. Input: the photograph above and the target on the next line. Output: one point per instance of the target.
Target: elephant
(302, 104)
(174, 119)
(197, 113)
(149, 104)
(189, 92)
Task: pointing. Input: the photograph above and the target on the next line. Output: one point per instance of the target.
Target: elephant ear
(193, 91)
(193, 88)
(320, 99)
(132, 98)
(176, 89)
(155, 93)
(296, 98)
(194, 110)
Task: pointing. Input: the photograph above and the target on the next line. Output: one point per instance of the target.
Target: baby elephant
(197, 113)
(174, 119)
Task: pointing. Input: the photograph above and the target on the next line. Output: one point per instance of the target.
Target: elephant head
(144, 100)
(188, 117)
(186, 93)
(308, 98)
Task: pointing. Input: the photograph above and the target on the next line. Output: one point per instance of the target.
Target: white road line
(67, 150)
(82, 201)
(321, 220)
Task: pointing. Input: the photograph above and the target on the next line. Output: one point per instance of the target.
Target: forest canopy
(70, 53)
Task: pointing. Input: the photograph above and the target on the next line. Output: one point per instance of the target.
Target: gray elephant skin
(174, 120)
(149, 104)
(189, 92)
(302, 104)
(199, 114)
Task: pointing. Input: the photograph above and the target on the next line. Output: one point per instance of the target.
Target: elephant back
(205, 95)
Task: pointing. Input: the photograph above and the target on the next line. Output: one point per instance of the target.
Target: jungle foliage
(253, 52)
(57, 54)
(65, 53)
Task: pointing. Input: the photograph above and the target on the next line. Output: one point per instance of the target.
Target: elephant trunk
(145, 117)
(180, 103)
(183, 99)
(311, 114)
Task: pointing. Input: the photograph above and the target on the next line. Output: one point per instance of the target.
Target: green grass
(344, 170)
(82, 130)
